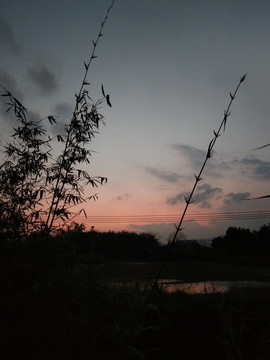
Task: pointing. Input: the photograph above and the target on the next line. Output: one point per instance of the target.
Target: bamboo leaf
(243, 78)
(51, 119)
(93, 197)
(260, 197)
(261, 147)
(103, 180)
(9, 108)
(7, 93)
(84, 212)
(197, 178)
(108, 100)
(60, 139)
(19, 103)
(102, 89)
(216, 134)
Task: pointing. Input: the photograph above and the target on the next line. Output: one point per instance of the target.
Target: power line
(172, 218)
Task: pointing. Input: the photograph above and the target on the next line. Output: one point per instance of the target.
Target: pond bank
(187, 271)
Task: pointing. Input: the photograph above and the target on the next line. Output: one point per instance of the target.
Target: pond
(207, 287)
(201, 287)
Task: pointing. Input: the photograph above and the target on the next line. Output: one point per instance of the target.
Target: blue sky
(169, 67)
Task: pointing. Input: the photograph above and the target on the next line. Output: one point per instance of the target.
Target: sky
(169, 67)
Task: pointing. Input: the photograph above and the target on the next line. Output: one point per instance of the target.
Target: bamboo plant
(36, 189)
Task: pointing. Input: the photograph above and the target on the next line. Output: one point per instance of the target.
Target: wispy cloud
(7, 37)
(236, 197)
(45, 79)
(204, 196)
(164, 175)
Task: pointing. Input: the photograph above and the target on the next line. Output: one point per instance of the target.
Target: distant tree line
(239, 241)
(112, 244)
(236, 245)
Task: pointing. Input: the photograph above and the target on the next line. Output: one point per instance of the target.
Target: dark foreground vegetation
(58, 300)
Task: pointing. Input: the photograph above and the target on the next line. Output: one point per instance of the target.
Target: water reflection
(208, 287)
(205, 287)
(202, 287)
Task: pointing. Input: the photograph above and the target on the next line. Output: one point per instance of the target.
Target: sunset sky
(169, 67)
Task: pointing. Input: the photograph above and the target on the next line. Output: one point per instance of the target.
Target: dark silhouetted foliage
(114, 244)
(244, 242)
(37, 188)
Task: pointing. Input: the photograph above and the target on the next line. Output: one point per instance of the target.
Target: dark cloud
(236, 197)
(44, 78)
(216, 167)
(202, 196)
(254, 167)
(163, 175)
(195, 156)
(34, 116)
(176, 199)
(8, 119)
(7, 38)
(63, 110)
(124, 196)
(10, 84)
(63, 113)
(205, 193)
